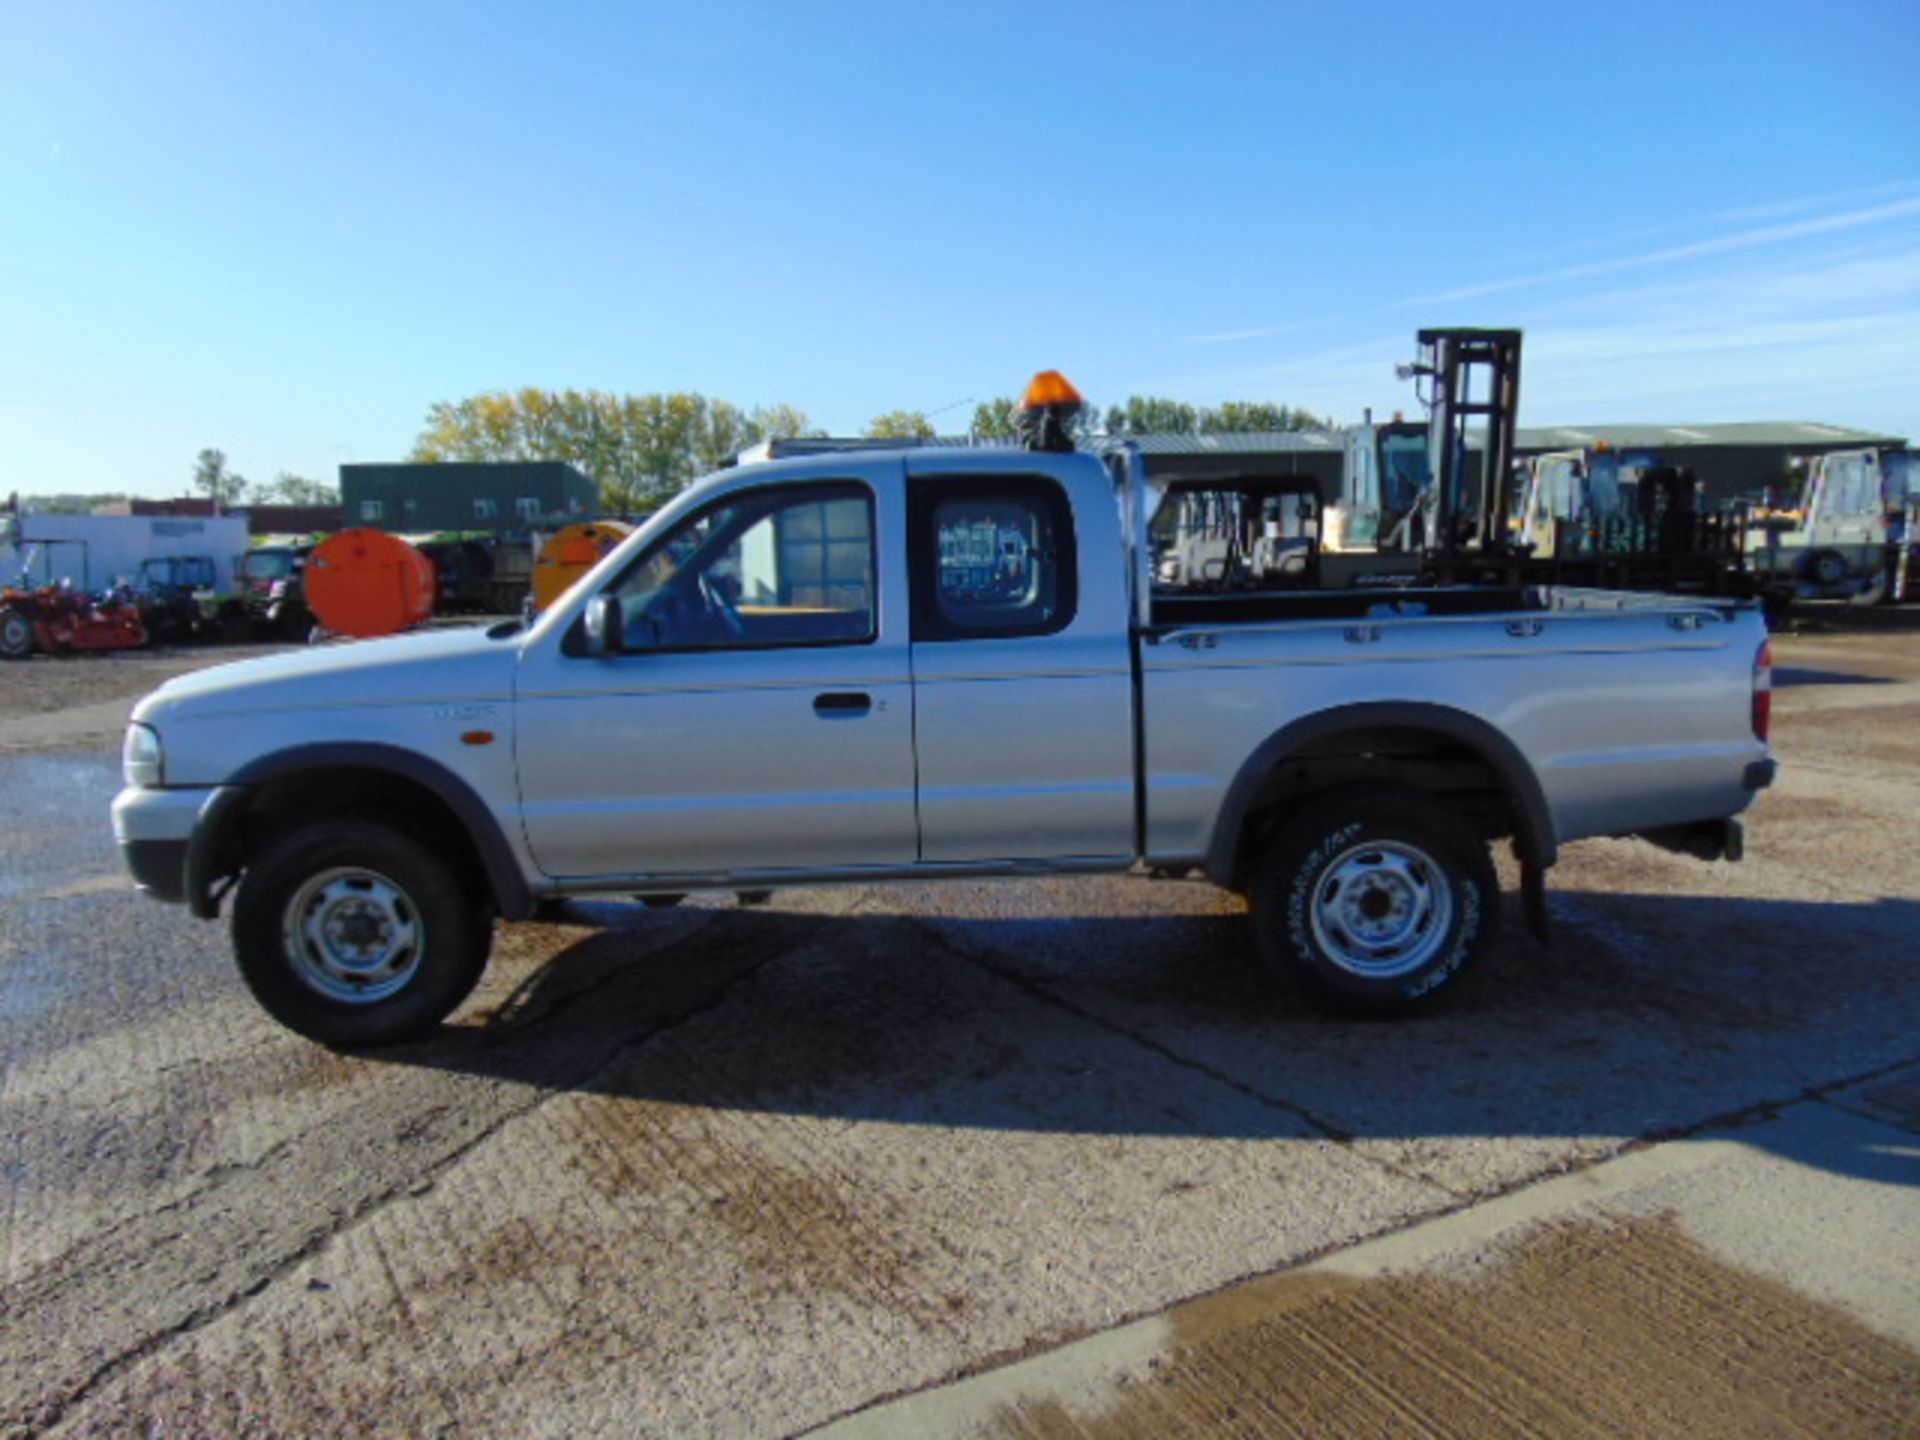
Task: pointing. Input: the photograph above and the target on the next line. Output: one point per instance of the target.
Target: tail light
(1763, 691)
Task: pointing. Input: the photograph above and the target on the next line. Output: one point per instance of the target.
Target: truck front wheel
(354, 933)
(16, 635)
(1376, 899)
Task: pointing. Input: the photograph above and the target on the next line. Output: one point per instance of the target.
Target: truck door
(1361, 482)
(760, 715)
(1023, 690)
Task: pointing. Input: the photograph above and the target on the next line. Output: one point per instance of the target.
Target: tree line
(640, 449)
(213, 478)
(227, 488)
(1158, 415)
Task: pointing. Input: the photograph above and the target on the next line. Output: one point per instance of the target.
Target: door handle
(842, 702)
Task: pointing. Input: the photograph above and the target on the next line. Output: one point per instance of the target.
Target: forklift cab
(1254, 534)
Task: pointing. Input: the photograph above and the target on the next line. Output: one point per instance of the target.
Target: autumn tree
(900, 425)
(639, 449)
(781, 422)
(723, 432)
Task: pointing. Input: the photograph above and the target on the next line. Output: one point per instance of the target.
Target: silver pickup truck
(906, 665)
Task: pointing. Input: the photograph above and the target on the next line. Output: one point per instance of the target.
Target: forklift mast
(1473, 375)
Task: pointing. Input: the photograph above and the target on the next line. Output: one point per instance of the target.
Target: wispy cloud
(1740, 215)
(1260, 332)
(1699, 250)
(1749, 239)
(1816, 317)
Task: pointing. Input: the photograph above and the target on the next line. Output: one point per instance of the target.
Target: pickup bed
(863, 667)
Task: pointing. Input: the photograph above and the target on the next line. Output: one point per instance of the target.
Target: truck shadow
(1837, 617)
(1785, 677)
(1650, 1016)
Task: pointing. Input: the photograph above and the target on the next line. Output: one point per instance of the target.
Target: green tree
(1241, 416)
(213, 479)
(1158, 415)
(993, 419)
(1152, 415)
(289, 489)
(900, 425)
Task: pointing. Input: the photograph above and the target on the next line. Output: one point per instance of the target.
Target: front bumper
(154, 829)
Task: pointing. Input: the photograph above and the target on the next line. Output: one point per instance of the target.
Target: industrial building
(1731, 460)
(261, 519)
(507, 497)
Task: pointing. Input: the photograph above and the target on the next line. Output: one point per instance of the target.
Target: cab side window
(790, 566)
(992, 557)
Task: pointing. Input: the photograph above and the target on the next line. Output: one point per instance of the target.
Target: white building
(96, 551)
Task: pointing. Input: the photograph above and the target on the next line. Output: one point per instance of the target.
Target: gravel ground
(724, 1171)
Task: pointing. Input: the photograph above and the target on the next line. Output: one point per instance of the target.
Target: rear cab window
(992, 557)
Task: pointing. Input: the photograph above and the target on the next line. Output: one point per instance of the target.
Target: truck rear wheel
(1375, 899)
(354, 933)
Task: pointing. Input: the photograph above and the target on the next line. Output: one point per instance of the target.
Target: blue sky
(286, 230)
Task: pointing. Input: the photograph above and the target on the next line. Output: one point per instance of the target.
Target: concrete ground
(1019, 1159)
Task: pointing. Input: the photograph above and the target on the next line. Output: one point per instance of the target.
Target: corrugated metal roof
(1254, 442)
(1785, 434)
(1249, 442)
(786, 447)
(1792, 435)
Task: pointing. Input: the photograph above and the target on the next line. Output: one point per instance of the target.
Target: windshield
(1404, 471)
(1850, 484)
(1561, 491)
(1603, 483)
(267, 564)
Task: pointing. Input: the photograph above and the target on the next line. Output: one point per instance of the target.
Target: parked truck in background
(921, 664)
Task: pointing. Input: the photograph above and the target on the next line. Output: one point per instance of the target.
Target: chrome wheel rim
(354, 936)
(1382, 910)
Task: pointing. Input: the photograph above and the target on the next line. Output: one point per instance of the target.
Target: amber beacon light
(1045, 415)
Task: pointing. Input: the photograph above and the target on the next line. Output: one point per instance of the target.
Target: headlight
(140, 758)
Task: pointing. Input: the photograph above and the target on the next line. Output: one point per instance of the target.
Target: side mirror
(605, 626)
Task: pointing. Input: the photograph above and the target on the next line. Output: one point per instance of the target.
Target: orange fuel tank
(570, 553)
(366, 582)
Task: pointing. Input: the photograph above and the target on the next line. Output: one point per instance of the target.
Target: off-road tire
(16, 635)
(1827, 568)
(296, 978)
(1316, 886)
